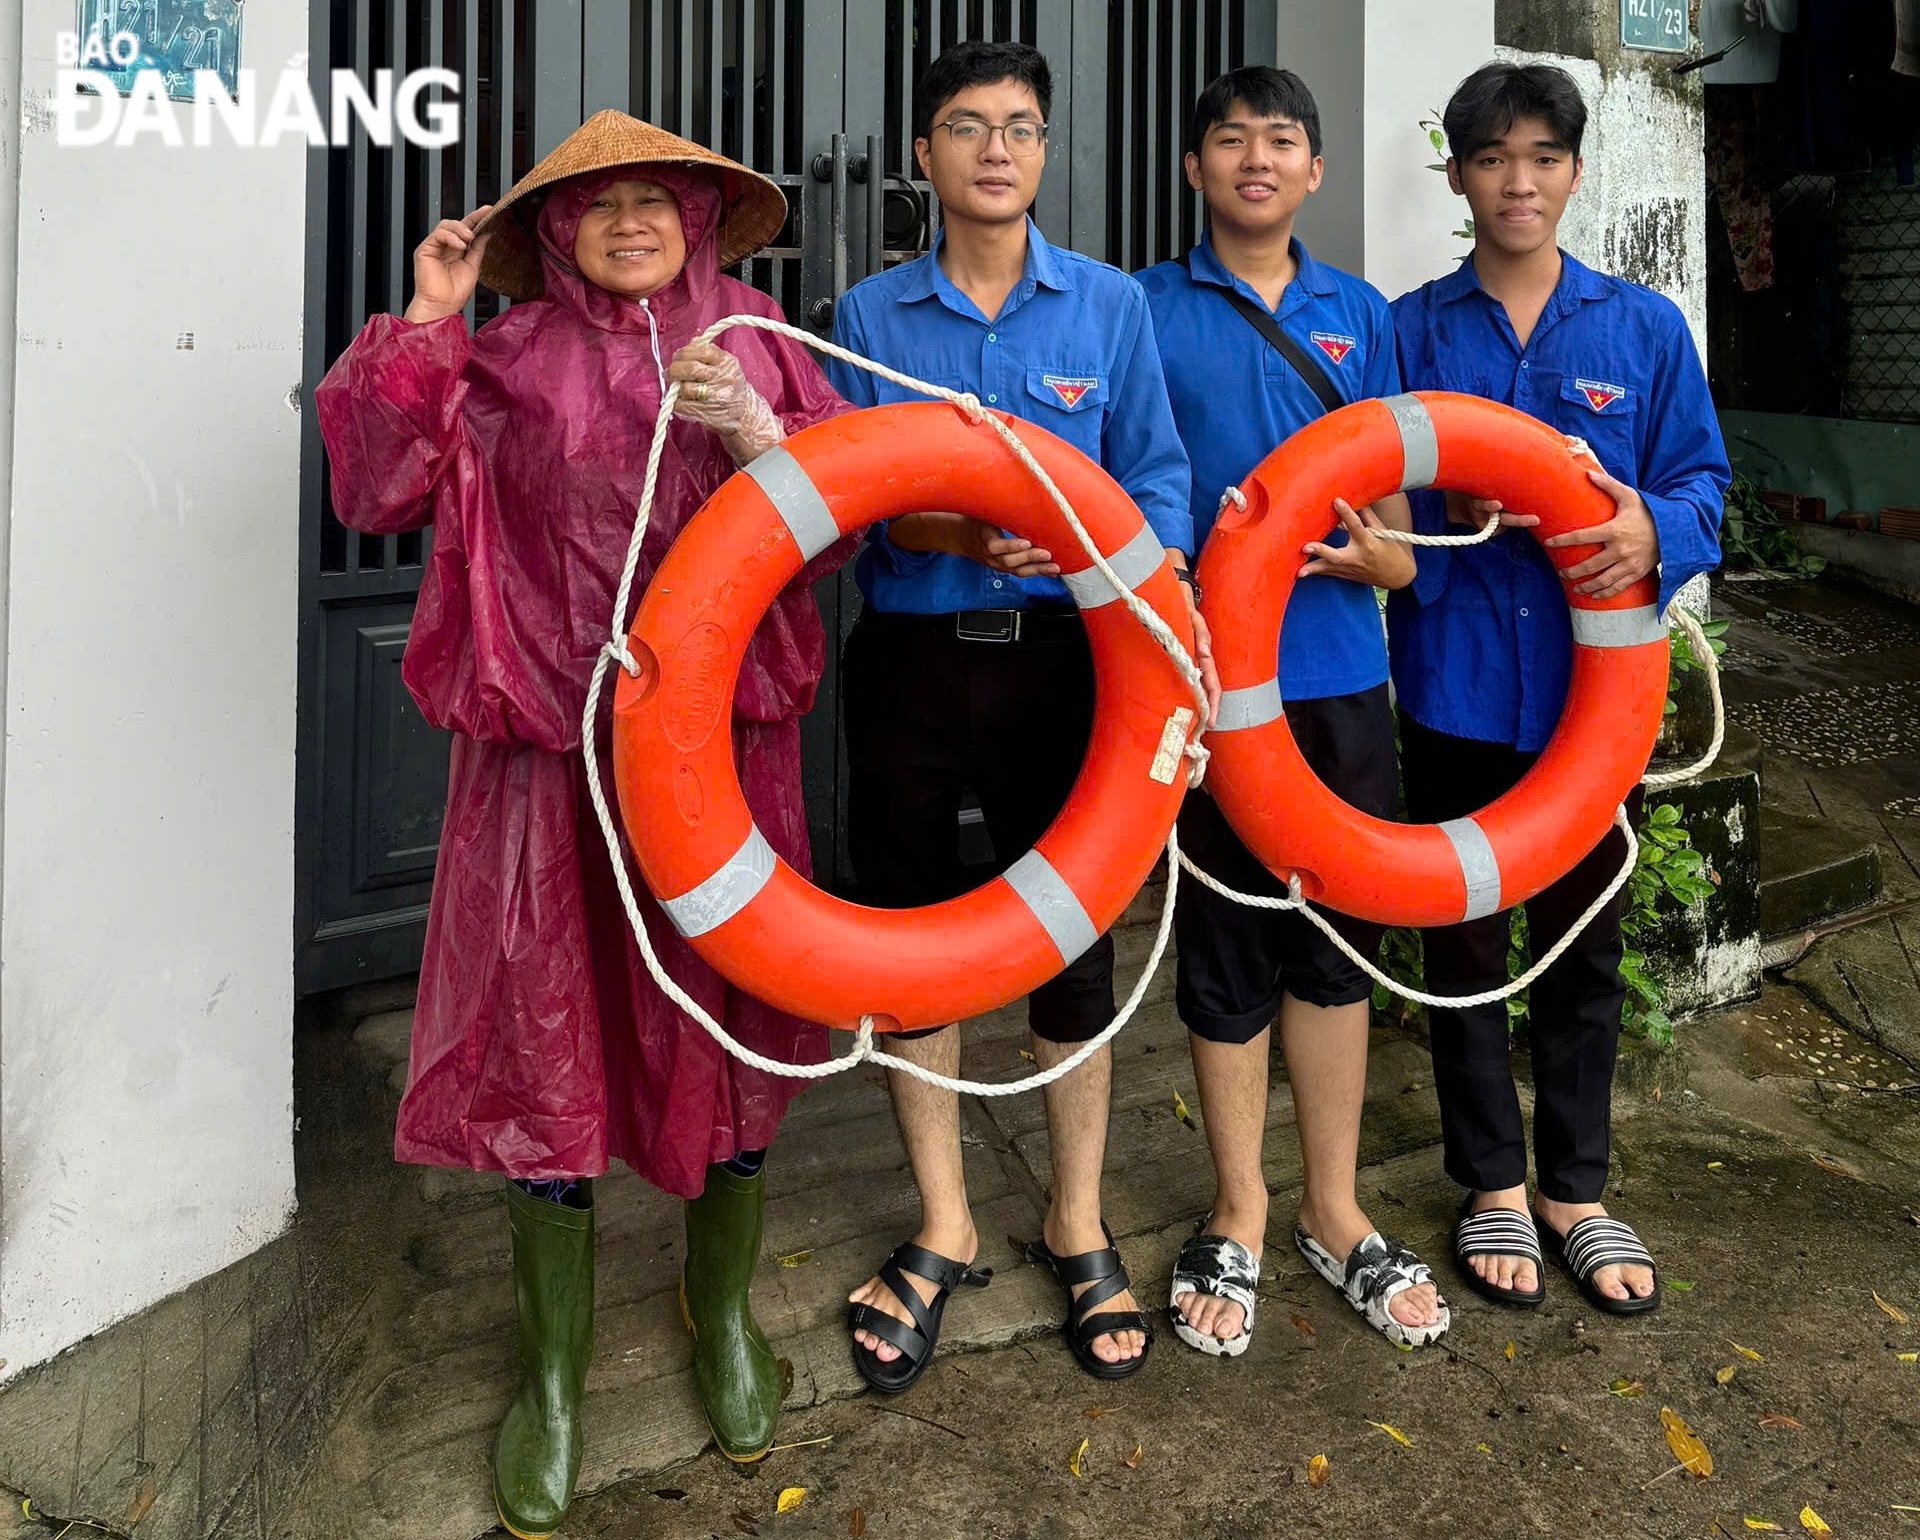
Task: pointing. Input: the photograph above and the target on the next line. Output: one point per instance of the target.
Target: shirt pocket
(1069, 403)
(1606, 413)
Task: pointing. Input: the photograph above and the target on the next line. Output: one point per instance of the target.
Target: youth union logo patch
(1069, 391)
(1335, 346)
(1600, 396)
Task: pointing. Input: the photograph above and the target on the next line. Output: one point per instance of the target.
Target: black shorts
(1235, 963)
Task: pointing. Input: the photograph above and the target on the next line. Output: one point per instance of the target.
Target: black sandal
(918, 1338)
(1600, 1241)
(1107, 1276)
(1499, 1232)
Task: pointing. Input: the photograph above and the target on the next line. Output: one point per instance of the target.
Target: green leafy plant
(1680, 658)
(1437, 137)
(1753, 538)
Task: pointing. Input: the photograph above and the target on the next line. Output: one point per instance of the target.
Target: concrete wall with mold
(152, 528)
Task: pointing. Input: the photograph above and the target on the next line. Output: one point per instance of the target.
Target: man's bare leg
(930, 1127)
(1077, 1107)
(1232, 1082)
(1326, 1049)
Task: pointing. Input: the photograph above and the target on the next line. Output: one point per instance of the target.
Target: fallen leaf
(1908, 1358)
(1721, 1376)
(1716, 1165)
(1686, 1445)
(1894, 1312)
(26, 1509)
(1812, 1523)
(1681, 1285)
(1745, 1352)
(745, 1522)
(793, 1259)
(1028, 1057)
(1626, 1389)
(1766, 1524)
(1180, 1112)
(1099, 1411)
(1302, 1325)
(1076, 1462)
(1133, 1460)
(671, 1494)
(142, 1501)
(1392, 1432)
(1782, 1420)
(1484, 1448)
(1913, 1217)
(1509, 1352)
(1317, 1472)
(856, 1524)
(790, 1498)
(1838, 1168)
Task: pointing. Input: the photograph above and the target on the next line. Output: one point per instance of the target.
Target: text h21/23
(89, 109)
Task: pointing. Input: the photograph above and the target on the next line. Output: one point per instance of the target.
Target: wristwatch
(1185, 574)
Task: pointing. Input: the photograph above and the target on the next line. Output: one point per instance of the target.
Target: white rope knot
(1235, 496)
(1295, 892)
(1201, 756)
(616, 652)
(969, 403)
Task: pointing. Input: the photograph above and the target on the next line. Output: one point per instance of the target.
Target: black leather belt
(993, 627)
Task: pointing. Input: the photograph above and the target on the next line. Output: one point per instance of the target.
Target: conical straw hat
(754, 209)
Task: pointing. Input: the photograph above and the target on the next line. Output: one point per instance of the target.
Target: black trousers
(1574, 1036)
(930, 716)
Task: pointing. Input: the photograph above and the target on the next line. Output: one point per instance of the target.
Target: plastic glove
(714, 392)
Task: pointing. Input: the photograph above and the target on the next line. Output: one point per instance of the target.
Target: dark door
(811, 93)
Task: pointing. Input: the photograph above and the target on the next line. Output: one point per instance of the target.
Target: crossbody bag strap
(1301, 360)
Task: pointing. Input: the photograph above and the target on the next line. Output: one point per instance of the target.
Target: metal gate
(819, 95)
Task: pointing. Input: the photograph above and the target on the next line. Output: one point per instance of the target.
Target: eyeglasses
(1023, 136)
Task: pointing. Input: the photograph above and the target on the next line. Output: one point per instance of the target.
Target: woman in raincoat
(541, 1047)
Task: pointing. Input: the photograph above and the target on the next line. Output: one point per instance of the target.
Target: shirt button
(993, 398)
(1523, 614)
(1525, 365)
(991, 337)
(998, 584)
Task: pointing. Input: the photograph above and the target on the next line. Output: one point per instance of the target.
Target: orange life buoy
(753, 918)
(1423, 874)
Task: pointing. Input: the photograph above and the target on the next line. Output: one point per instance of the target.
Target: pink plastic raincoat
(540, 1045)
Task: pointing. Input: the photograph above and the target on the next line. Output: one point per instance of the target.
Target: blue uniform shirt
(1071, 351)
(1482, 647)
(1236, 400)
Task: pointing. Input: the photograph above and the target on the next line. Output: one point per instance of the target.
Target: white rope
(615, 651)
(1294, 900)
(1702, 649)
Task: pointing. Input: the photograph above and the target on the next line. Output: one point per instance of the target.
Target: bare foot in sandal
(1339, 1230)
(961, 1243)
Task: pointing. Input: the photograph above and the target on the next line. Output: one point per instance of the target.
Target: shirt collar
(1043, 266)
(1309, 276)
(1577, 282)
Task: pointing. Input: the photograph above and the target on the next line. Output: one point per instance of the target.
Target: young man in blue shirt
(1482, 651)
(1255, 156)
(969, 667)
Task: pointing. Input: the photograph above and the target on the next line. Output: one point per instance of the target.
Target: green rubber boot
(536, 1457)
(735, 1373)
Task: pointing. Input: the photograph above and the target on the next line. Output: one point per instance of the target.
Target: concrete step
(1812, 869)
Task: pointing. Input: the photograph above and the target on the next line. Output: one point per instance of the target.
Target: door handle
(832, 168)
(870, 170)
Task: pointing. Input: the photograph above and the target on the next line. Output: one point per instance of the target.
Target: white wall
(146, 953)
(1417, 51)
